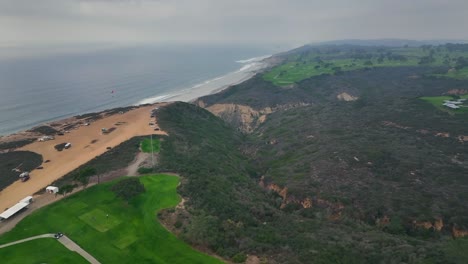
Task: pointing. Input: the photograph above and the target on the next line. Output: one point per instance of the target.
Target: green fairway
(146, 145)
(99, 220)
(293, 72)
(437, 101)
(43, 250)
(130, 234)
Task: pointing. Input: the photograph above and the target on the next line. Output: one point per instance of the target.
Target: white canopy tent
(52, 189)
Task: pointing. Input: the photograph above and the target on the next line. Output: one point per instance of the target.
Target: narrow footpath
(67, 242)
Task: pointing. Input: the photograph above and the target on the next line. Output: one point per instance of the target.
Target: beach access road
(87, 142)
(67, 242)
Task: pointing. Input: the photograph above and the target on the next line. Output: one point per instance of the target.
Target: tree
(128, 188)
(83, 175)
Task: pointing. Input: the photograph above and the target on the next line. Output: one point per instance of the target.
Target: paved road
(67, 242)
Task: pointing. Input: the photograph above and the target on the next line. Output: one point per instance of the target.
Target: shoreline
(87, 142)
(250, 68)
(82, 129)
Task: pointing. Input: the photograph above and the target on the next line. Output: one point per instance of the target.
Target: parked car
(25, 178)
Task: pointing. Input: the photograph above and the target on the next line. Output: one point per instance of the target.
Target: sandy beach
(87, 142)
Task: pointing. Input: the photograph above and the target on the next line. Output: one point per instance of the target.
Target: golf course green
(107, 227)
(146, 145)
(43, 250)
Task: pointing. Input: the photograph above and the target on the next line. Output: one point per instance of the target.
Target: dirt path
(87, 143)
(132, 169)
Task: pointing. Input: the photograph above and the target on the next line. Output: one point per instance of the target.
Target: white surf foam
(255, 59)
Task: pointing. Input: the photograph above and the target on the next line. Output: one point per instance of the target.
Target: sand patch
(133, 123)
(346, 97)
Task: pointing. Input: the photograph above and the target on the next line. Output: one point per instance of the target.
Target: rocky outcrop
(283, 192)
(457, 91)
(306, 203)
(437, 225)
(346, 97)
(244, 117)
(458, 232)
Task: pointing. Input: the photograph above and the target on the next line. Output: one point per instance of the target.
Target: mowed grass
(293, 72)
(437, 101)
(135, 235)
(99, 220)
(43, 250)
(146, 145)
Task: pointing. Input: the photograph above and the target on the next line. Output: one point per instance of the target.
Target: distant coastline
(66, 85)
(250, 67)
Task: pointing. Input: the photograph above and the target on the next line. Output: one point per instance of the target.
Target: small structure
(27, 199)
(52, 189)
(16, 208)
(104, 131)
(450, 105)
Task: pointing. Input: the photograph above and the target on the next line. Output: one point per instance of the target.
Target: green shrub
(239, 258)
(145, 170)
(128, 188)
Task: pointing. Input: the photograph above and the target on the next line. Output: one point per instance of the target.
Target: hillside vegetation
(354, 165)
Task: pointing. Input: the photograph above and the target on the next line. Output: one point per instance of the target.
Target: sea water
(39, 88)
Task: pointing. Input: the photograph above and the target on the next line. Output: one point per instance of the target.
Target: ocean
(40, 88)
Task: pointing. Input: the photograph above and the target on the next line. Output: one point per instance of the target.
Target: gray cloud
(243, 21)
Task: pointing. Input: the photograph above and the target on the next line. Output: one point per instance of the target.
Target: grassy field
(146, 145)
(332, 61)
(437, 101)
(112, 230)
(44, 250)
(461, 74)
(293, 72)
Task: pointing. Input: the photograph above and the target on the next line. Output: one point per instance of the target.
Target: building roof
(26, 199)
(13, 210)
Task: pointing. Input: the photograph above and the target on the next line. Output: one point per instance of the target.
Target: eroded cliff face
(457, 232)
(308, 202)
(244, 117)
(437, 225)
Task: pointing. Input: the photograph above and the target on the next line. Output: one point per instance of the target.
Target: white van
(67, 146)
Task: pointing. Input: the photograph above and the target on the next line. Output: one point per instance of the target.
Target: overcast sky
(287, 22)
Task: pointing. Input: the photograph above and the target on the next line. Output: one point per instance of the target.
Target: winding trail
(26, 240)
(67, 242)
